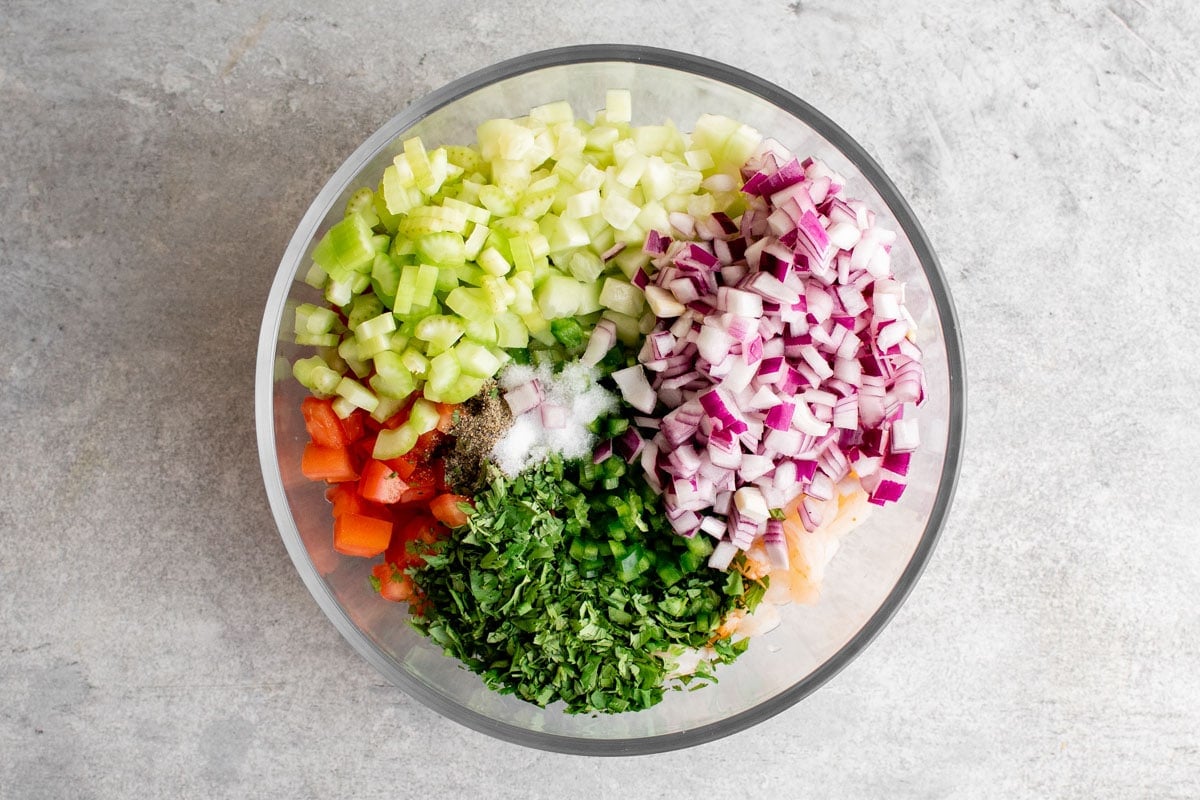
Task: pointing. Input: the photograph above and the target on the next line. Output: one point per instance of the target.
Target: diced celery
(504, 139)
(425, 285)
(481, 331)
(357, 394)
(566, 233)
(406, 289)
(522, 292)
(497, 293)
(470, 274)
(511, 176)
(470, 304)
(511, 331)
(339, 292)
(343, 407)
(466, 157)
(522, 257)
(440, 331)
(314, 319)
(367, 348)
(375, 326)
(392, 377)
(443, 372)
(493, 263)
(398, 341)
(395, 442)
(359, 282)
(476, 360)
(496, 200)
(316, 277)
(315, 375)
(583, 204)
(441, 248)
(363, 307)
(317, 339)
(387, 408)
(475, 242)
(424, 416)
(425, 220)
(346, 248)
(402, 246)
(385, 277)
(445, 281)
(415, 362)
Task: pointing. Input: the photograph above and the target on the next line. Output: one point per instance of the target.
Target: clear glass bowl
(877, 564)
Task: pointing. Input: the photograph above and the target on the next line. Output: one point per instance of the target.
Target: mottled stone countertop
(154, 638)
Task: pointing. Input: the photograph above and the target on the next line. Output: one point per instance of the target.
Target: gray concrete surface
(154, 638)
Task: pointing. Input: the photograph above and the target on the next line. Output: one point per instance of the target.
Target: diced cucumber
(622, 296)
(558, 296)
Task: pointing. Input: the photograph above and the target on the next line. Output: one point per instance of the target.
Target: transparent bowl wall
(877, 563)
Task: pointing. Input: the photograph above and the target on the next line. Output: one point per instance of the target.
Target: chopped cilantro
(527, 597)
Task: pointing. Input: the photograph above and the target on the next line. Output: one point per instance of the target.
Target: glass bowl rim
(682, 62)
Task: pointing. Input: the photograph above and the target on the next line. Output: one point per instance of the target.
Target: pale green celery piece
(398, 197)
(368, 348)
(475, 242)
(441, 248)
(533, 206)
(303, 369)
(426, 284)
(402, 246)
(380, 242)
(333, 359)
(497, 201)
(363, 308)
(394, 442)
(511, 331)
(415, 362)
(618, 105)
(446, 280)
(360, 282)
(514, 226)
(497, 293)
(424, 416)
(398, 341)
(406, 289)
(522, 257)
(522, 293)
(316, 277)
(343, 407)
(510, 176)
(476, 360)
(324, 381)
(376, 326)
(339, 293)
(443, 372)
(469, 303)
(317, 339)
(387, 408)
(357, 394)
(418, 162)
(474, 213)
(440, 330)
(395, 382)
(303, 312)
(481, 331)
(567, 234)
(491, 262)
(470, 274)
(466, 157)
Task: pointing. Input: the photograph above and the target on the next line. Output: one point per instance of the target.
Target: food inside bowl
(597, 397)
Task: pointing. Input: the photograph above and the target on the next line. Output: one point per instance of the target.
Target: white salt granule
(575, 389)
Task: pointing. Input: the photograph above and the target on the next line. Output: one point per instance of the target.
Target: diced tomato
(445, 508)
(359, 535)
(381, 483)
(355, 424)
(346, 500)
(323, 425)
(332, 464)
(445, 416)
(403, 465)
(394, 585)
(415, 531)
(418, 495)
